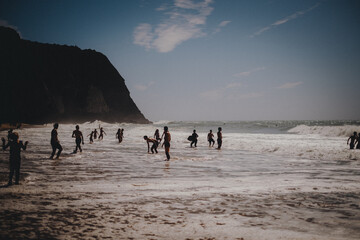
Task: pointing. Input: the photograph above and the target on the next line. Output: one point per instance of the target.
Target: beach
(270, 180)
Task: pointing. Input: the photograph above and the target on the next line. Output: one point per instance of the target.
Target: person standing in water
(353, 139)
(101, 135)
(77, 134)
(219, 138)
(210, 138)
(167, 139)
(91, 135)
(15, 158)
(358, 142)
(194, 138)
(95, 133)
(55, 143)
(154, 142)
(118, 135)
(157, 136)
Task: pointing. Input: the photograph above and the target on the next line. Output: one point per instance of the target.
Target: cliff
(43, 83)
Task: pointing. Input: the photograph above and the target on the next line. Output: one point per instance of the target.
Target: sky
(197, 60)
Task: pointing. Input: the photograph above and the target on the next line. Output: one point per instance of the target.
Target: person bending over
(154, 142)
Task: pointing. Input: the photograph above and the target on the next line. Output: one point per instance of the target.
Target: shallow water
(266, 183)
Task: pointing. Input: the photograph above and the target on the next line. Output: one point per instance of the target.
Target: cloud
(248, 73)
(143, 87)
(284, 20)
(290, 85)
(233, 85)
(217, 94)
(184, 21)
(220, 26)
(5, 23)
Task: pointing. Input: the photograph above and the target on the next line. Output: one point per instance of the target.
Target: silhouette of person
(352, 142)
(194, 137)
(95, 134)
(154, 142)
(77, 134)
(210, 138)
(157, 136)
(91, 135)
(15, 158)
(167, 138)
(358, 142)
(118, 135)
(10, 132)
(121, 135)
(219, 138)
(101, 135)
(55, 143)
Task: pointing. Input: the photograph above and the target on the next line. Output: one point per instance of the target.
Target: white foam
(328, 131)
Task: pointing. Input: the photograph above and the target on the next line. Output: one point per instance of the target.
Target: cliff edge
(42, 83)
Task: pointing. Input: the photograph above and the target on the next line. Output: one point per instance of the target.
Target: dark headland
(42, 83)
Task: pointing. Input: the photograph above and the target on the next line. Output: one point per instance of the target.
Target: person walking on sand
(219, 138)
(167, 139)
(55, 143)
(91, 135)
(15, 158)
(210, 138)
(77, 134)
(154, 142)
(101, 135)
(353, 139)
(194, 138)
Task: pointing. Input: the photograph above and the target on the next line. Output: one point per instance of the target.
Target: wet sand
(134, 195)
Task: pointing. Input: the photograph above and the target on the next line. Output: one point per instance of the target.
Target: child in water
(15, 158)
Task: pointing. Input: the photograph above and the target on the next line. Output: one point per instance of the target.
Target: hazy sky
(214, 59)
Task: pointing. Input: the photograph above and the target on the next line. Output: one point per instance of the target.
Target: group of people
(157, 140)
(210, 137)
(16, 145)
(354, 140)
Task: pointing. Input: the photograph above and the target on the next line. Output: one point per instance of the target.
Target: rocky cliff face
(43, 83)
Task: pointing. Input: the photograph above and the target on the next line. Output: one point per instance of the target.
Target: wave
(327, 131)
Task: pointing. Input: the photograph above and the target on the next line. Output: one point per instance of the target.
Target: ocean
(270, 180)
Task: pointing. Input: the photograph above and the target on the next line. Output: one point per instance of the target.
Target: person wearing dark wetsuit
(77, 134)
(55, 143)
(91, 135)
(353, 139)
(194, 137)
(118, 135)
(358, 142)
(95, 133)
(210, 138)
(219, 138)
(154, 142)
(101, 135)
(167, 139)
(15, 158)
